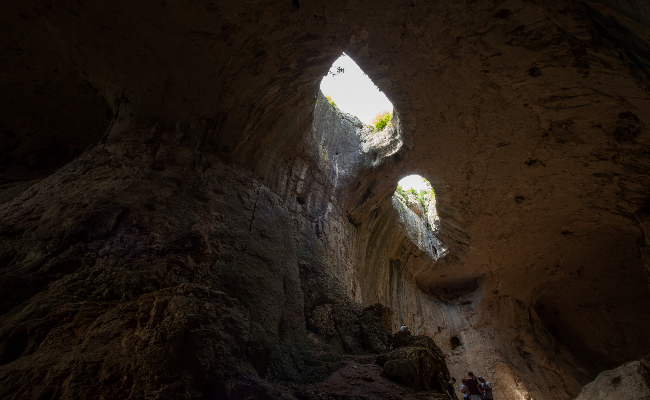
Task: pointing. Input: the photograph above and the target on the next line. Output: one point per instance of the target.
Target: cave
(183, 214)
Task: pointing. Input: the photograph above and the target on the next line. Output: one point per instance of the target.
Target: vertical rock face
(180, 205)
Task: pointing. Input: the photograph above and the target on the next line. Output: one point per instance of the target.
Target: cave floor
(361, 377)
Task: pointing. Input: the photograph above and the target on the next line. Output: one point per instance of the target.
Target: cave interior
(184, 215)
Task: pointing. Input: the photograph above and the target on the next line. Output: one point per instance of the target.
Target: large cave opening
(351, 90)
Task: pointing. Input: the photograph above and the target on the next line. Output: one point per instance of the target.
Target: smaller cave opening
(416, 192)
(455, 342)
(415, 201)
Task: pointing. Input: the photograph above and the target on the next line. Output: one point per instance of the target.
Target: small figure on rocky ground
(486, 387)
(463, 389)
(473, 388)
(450, 389)
(391, 339)
(404, 328)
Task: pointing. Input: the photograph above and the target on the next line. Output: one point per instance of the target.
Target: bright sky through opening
(353, 91)
(413, 181)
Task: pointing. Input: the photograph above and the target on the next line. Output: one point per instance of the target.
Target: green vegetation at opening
(329, 99)
(423, 196)
(337, 71)
(381, 121)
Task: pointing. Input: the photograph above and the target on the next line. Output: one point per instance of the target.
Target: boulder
(629, 381)
(322, 321)
(404, 340)
(413, 366)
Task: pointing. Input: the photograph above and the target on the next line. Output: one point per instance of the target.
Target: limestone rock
(402, 338)
(322, 321)
(413, 366)
(630, 381)
(375, 323)
(357, 329)
(645, 362)
(414, 204)
(159, 340)
(405, 339)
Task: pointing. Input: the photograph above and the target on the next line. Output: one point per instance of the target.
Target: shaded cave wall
(529, 118)
(176, 268)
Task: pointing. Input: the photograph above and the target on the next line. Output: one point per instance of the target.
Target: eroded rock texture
(417, 362)
(180, 206)
(629, 381)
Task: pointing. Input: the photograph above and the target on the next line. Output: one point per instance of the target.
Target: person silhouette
(486, 387)
(450, 389)
(475, 392)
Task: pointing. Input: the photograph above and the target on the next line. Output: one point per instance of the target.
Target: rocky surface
(178, 201)
(352, 327)
(362, 378)
(420, 228)
(412, 366)
(629, 381)
(417, 362)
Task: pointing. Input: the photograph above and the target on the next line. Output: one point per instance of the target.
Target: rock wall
(215, 200)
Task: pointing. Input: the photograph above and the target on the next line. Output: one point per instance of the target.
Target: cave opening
(415, 201)
(349, 89)
(417, 190)
(455, 342)
(416, 193)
